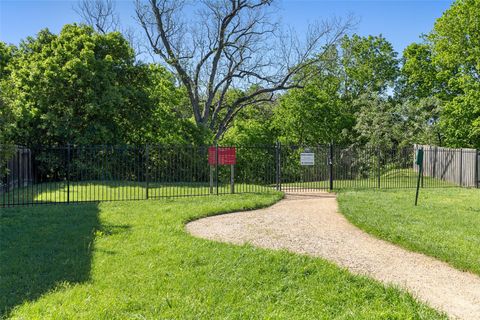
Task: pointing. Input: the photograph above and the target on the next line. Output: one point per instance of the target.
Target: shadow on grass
(42, 247)
(56, 192)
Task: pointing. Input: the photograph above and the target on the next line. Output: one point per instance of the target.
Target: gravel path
(310, 224)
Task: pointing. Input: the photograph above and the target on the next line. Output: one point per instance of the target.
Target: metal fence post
(425, 153)
(147, 163)
(211, 179)
(216, 167)
(19, 183)
(330, 166)
(232, 178)
(378, 167)
(278, 181)
(68, 173)
(4, 177)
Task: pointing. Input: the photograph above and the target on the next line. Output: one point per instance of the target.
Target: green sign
(419, 157)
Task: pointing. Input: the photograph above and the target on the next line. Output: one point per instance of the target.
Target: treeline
(368, 95)
(83, 87)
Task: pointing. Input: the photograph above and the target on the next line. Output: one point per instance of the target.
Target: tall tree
(6, 112)
(83, 87)
(419, 92)
(326, 108)
(229, 45)
(315, 114)
(455, 43)
(7, 116)
(369, 70)
(419, 121)
(253, 126)
(376, 121)
(418, 75)
(369, 64)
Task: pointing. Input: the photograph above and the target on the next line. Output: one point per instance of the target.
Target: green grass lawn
(392, 179)
(444, 225)
(53, 192)
(134, 260)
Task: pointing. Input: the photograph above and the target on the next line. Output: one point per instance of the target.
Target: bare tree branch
(229, 45)
(100, 14)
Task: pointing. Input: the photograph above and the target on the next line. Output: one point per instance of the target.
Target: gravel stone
(310, 223)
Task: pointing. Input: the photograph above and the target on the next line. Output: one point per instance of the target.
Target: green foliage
(456, 46)
(418, 121)
(377, 121)
(6, 112)
(82, 87)
(6, 120)
(446, 67)
(418, 74)
(6, 54)
(330, 104)
(314, 114)
(7, 116)
(67, 88)
(370, 65)
(253, 126)
(418, 96)
(461, 118)
(167, 119)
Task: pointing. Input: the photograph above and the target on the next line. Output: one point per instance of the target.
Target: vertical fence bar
(378, 167)
(216, 167)
(34, 175)
(211, 178)
(147, 173)
(68, 173)
(3, 172)
(330, 166)
(19, 181)
(423, 168)
(277, 166)
(232, 178)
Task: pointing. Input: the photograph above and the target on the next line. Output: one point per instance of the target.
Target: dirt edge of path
(310, 223)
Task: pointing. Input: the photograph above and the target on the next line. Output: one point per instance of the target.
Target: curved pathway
(310, 224)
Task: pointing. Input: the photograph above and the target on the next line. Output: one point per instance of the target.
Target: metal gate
(304, 168)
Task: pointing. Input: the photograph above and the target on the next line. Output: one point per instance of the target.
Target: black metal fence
(72, 174)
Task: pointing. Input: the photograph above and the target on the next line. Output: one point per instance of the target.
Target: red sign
(226, 155)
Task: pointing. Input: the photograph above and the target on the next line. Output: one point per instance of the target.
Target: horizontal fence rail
(74, 174)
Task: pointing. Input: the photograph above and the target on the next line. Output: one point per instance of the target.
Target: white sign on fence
(307, 159)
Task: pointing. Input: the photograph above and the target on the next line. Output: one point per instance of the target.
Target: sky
(401, 22)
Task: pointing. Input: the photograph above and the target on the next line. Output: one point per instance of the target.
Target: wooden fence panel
(458, 166)
(19, 170)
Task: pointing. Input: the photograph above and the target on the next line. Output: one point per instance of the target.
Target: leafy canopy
(456, 54)
(82, 87)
